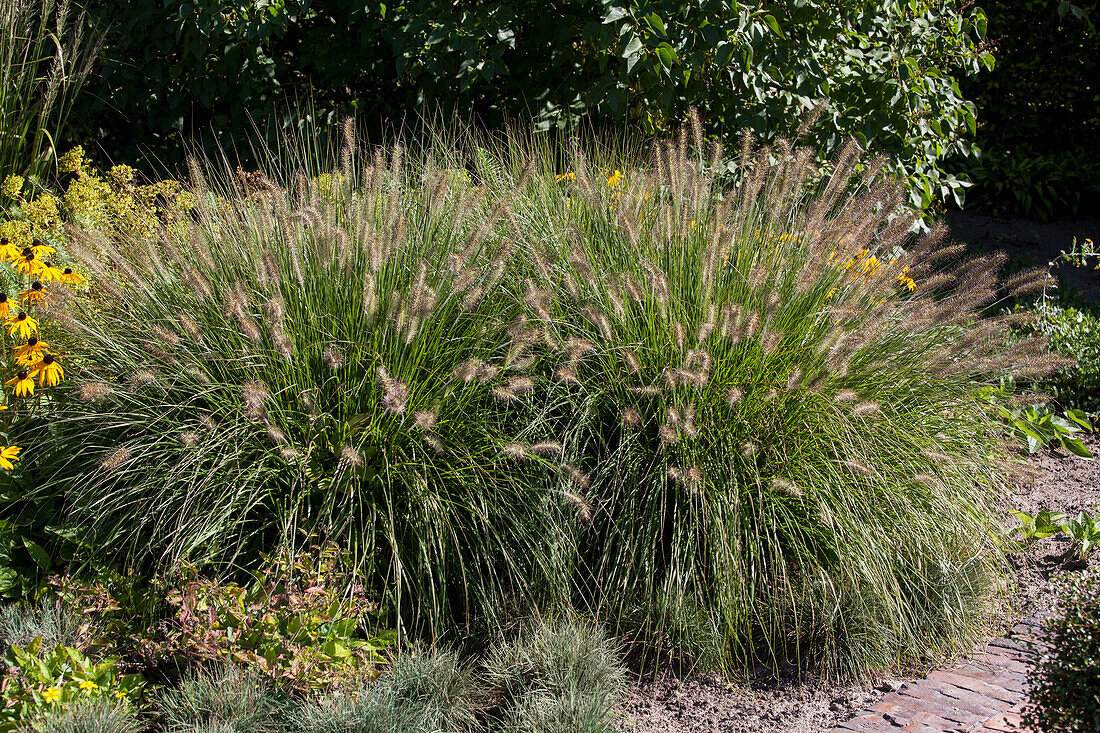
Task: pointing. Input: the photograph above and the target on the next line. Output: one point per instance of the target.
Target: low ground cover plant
(1065, 683)
(553, 676)
(1083, 529)
(508, 377)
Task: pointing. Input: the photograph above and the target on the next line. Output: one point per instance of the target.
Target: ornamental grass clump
(742, 413)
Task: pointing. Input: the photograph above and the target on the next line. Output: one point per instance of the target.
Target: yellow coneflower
(48, 371)
(22, 326)
(21, 384)
(34, 294)
(40, 248)
(615, 179)
(30, 352)
(8, 455)
(568, 176)
(49, 272)
(27, 264)
(5, 306)
(8, 251)
(69, 277)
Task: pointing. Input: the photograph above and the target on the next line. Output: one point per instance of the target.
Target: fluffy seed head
(515, 451)
(424, 420)
(548, 447)
(577, 476)
(163, 335)
(584, 511)
(95, 391)
(864, 408)
(395, 394)
(253, 394)
(350, 457)
(116, 458)
(277, 436)
(859, 467)
(333, 356)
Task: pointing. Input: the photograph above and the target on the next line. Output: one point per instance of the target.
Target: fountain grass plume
(507, 375)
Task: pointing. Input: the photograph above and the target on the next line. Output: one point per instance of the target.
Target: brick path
(980, 694)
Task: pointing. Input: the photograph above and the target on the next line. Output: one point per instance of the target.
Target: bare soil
(675, 703)
(1032, 244)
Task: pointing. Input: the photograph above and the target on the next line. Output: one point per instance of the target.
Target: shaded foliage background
(886, 72)
(1039, 110)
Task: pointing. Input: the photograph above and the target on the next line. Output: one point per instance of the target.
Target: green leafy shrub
(224, 699)
(1039, 426)
(1065, 682)
(1034, 186)
(886, 73)
(615, 384)
(97, 715)
(560, 677)
(1074, 333)
(1083, 529)
(296, 622)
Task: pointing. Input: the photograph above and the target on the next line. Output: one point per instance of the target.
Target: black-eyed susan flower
(8, 456)
(22, 326)
(40, 248)
(21, 384)
(567, 176)
(69, 277)
(5, 306)
(27, 264)
(34, 294)
(49, 272)
(48, 371)
(30, 352)
(615, 179)
(8, 251)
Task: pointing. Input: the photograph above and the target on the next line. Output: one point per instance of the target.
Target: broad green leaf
(1075, 446)
(774, 25)
(41, 557)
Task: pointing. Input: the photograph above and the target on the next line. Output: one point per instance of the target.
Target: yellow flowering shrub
(33, 243)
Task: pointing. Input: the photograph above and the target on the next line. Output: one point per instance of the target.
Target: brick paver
(983, 693)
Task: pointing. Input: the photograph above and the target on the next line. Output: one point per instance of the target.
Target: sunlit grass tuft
(749, 411)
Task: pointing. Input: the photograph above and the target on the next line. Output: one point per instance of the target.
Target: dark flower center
(47, 359)
(36, 285)
(21, 317)
(68, 271)
(22, 375)
(3, 297)
(32, 341)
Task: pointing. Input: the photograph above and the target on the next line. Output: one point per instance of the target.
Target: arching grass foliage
(733, 422)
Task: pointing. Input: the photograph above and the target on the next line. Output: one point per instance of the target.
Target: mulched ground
(982, 691)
